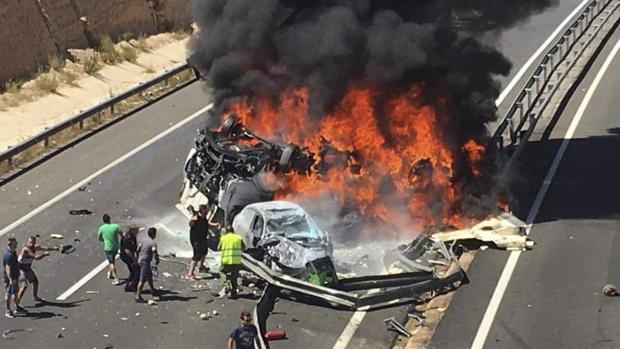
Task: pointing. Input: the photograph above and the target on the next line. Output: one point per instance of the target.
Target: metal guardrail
(79, 119)
(520, 120)
(394, 288)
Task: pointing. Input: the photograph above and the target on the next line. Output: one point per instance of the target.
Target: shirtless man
(27, 255)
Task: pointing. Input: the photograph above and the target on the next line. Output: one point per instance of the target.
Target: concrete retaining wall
(31, 31)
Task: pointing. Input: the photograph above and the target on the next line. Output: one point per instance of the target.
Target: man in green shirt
(109, 234)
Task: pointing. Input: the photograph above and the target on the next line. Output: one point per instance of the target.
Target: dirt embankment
(31, 31)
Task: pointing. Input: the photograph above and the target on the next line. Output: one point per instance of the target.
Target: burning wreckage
(288, 250)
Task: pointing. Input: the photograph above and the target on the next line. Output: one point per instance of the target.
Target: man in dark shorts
(198, 234)
(10, 277)
(147, 251)
(244, 335)
(109, 234)
(28, 255)
(129, 255)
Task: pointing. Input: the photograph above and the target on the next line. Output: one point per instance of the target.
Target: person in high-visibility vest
(231, 247)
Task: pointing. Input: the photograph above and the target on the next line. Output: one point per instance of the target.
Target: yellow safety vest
(231, 247)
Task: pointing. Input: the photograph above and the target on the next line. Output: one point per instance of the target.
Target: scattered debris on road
(56, 236)
(504, 232)
(80, 212)
(7, 334)
(396, 326)
(610, 290)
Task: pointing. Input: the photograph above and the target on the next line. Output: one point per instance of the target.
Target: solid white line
(102, 170)
(65, 193)
(542, 47)
(82, 281)
(358, 316)
(500, 289)
(349, 330)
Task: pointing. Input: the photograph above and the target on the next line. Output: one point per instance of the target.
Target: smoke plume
(264, 48)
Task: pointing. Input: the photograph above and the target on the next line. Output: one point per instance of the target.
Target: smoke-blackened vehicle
(225, 169)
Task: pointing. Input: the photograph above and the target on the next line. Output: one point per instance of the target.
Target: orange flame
(396, 142)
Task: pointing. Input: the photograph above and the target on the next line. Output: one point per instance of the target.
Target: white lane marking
(102, 170)
(502, 284)
(65, 193)
(353, 324)
(82, 281)
(544, 45)
(349, 330)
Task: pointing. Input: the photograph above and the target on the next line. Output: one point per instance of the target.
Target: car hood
(294, 255)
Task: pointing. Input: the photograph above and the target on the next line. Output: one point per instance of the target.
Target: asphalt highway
(143, 189)
(553, 299)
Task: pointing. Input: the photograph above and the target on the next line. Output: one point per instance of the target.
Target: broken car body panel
(504, 231)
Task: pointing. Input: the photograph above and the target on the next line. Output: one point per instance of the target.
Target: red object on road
(275, 335)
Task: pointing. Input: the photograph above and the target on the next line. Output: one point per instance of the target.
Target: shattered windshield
(293, 227)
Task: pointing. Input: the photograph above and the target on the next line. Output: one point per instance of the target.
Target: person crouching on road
(10, 276)
(147, 251)
(28, 276)
(109, 234)
(245, 335)
(231, 248)
(129, 255)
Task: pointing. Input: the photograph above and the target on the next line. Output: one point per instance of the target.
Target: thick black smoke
(263, 47)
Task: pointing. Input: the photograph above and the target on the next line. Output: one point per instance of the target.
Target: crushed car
(287, 239)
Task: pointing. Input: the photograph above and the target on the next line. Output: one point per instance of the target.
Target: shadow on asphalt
(59, 304)
(588, 174)
(38, 315)
(172, 296)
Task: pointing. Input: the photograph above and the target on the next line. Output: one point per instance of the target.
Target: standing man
(25, 259)
(245, 334)
(10, 276)
(129, 255)
(231, 248)
(109, 234)
(147, 251)
(198, 234)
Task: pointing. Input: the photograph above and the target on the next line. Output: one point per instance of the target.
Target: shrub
(56, 63)
(142, 44)
(107, 51)
(47, 82)
(68, 77)
(129, 53)
(12, 86)
(149, 69)
(126, 36)
(92, 64)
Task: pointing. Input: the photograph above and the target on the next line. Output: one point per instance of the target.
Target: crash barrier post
(262, 309)
(518, 123)
(41, 143)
